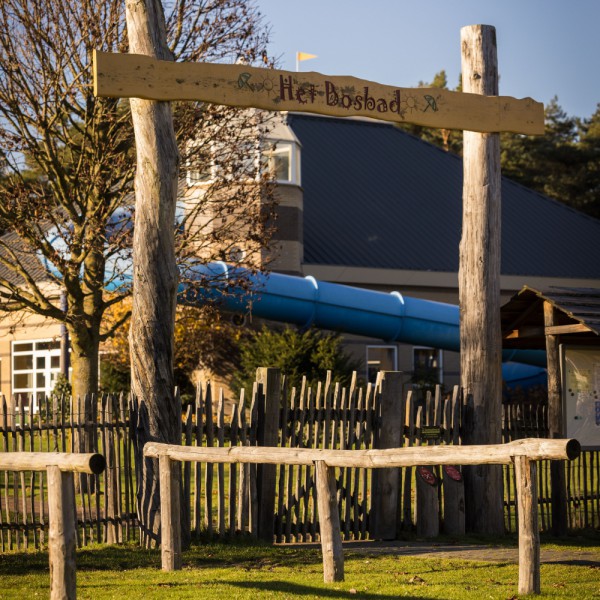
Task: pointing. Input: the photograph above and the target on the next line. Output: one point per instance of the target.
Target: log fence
(62, 520)
(522, 453)
(222, 501)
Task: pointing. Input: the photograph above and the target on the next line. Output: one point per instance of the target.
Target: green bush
(310, 353)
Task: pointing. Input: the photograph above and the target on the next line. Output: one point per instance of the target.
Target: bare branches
(67, 158)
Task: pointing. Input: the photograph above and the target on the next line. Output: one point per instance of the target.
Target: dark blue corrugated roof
(376, 196)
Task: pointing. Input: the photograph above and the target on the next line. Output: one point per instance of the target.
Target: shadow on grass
(131, 556)
(296, 589)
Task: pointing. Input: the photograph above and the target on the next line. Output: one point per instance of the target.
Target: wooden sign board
(137, 76)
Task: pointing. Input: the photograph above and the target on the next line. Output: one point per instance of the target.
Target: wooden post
(529, 540)
(62, 533)
(329, 523)
(155, 275)
(386, 482)
(558, 491)
(170, 545)
(479, 284)
(267, 436)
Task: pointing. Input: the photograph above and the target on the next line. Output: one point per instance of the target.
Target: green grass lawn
(251, 571)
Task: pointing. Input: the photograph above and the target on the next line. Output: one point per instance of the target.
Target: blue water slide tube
(392, 317)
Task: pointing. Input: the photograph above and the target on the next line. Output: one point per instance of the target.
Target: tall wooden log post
(155, 275)
(479, 285)
(555, 426)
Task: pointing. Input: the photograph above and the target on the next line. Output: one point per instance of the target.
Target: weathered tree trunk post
(529, 538)
(555, 426)
(170, 496)
(479, 284)
(155, 274)
(329, 523)
(267, 435)
(386, 482)
(62, 534)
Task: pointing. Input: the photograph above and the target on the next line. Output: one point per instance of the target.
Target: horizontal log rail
(62, 518)
(498, 454)
(522, 453)
(93, 464)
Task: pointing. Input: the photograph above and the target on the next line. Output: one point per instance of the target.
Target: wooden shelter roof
(577, 314)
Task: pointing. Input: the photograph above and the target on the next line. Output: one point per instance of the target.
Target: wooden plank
(244, 496)
(197, 467)
(208, 481)
(21, 442)
(308, 476)
(316, 444)
(299, 493)
(454, 490)
(221, 468)
(351, 473)
(409, 424)
(253, 485)
(385, 493)
(136, 76)
(186, 517)
(233, 439)
(426, 504)
(268, 435)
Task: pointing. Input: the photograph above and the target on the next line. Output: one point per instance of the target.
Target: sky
(546, 48)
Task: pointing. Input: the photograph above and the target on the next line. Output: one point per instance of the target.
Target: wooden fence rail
(62, 517)
(523, 454)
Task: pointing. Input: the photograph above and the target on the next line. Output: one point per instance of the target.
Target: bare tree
(67, 161)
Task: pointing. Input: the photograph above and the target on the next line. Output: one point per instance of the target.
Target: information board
(581, 394)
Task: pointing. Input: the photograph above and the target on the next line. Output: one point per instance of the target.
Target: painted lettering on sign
(348, 98)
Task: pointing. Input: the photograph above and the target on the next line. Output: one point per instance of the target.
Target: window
(224, 161)
(281, 162)
(199, 174)
(381, 358)
(36, 366)
(427, 367)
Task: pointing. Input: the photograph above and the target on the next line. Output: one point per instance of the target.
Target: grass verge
(252, 571)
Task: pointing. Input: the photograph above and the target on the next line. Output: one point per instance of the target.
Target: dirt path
(477, 552)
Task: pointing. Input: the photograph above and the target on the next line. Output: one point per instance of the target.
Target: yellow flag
(304, 56)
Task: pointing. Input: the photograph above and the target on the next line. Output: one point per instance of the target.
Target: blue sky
(546, 48)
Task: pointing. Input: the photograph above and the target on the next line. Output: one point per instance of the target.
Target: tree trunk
(479, 286)
(155, 275)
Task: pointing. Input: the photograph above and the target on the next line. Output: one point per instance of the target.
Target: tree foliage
(564, 163)
(67, 160)
(310, 353)
(204, 339)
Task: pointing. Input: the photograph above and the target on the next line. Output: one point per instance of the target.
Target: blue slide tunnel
(392, 317)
